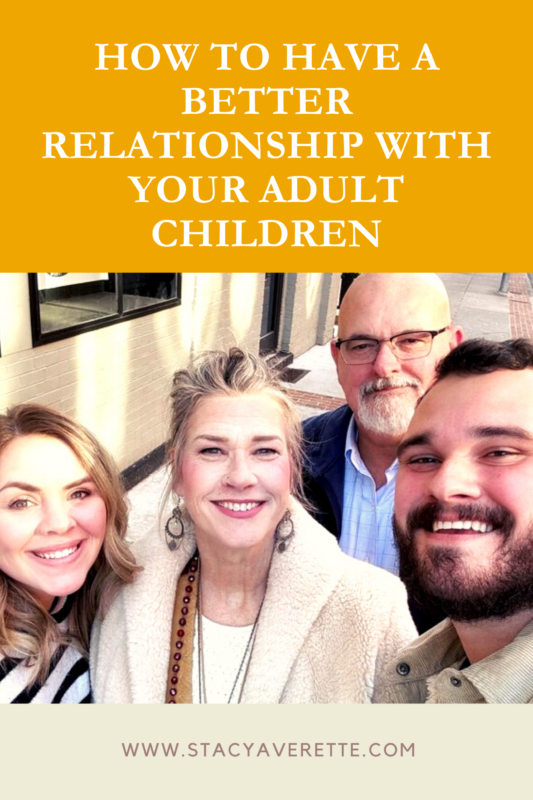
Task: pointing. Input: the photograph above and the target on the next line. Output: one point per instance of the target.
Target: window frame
(39, 338)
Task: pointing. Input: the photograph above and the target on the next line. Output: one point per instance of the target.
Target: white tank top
(224, 647)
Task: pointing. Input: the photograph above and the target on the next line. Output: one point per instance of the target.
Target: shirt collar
(506, 676)
(61, 607)
(503, 677)
(353, 456)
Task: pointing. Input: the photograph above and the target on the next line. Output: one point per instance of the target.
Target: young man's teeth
(463, 525)
(58, 553)
(239, 506)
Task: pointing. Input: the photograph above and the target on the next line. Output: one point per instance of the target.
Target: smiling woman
(243, 597)
(62, 522)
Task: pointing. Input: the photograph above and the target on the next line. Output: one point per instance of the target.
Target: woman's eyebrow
(85, 479)
(28, 487)
(259, 438)
(210, 437)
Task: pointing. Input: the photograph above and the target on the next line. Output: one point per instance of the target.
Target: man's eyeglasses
(405, 346)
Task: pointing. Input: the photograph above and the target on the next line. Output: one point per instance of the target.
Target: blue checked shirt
(367, 514)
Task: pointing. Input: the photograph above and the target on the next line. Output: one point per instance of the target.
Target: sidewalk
(476, 305)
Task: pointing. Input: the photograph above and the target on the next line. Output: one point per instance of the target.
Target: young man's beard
(387, 414)
(441, 581)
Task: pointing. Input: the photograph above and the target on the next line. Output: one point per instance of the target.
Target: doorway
(270, 319)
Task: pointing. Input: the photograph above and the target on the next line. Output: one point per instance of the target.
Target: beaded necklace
(179, 685)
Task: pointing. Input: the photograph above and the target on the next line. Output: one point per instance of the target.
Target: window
(68, 303)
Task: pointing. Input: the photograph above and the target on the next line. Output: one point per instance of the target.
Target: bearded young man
(464, 527)
(393, 330)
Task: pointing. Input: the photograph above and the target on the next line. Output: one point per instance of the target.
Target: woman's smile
(59, 553)
(243, 509)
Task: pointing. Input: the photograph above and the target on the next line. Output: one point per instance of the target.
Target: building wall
(116, 380)
(226, 309)
(308, 311)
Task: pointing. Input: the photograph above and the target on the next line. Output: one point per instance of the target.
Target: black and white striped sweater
(68, 676)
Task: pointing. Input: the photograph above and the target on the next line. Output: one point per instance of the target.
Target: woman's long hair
(27, 630)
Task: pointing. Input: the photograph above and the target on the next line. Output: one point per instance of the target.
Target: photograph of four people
(378, 553)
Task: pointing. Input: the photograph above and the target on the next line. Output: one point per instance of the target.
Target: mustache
(424, 516)
(389, 383)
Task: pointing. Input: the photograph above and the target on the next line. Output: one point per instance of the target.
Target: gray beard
(383, 414)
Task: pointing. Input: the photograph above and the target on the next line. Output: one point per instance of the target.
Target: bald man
(393, 330)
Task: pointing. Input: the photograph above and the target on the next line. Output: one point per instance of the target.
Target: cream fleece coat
(328, 627)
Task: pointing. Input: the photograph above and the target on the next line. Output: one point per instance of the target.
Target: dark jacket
(325, 442)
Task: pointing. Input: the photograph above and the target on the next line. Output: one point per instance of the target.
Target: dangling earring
(174, 529)
(284, 532)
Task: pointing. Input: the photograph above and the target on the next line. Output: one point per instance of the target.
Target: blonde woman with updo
(62, 553)
(244, 598)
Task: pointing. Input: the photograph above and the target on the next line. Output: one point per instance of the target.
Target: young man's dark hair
(481, 356)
